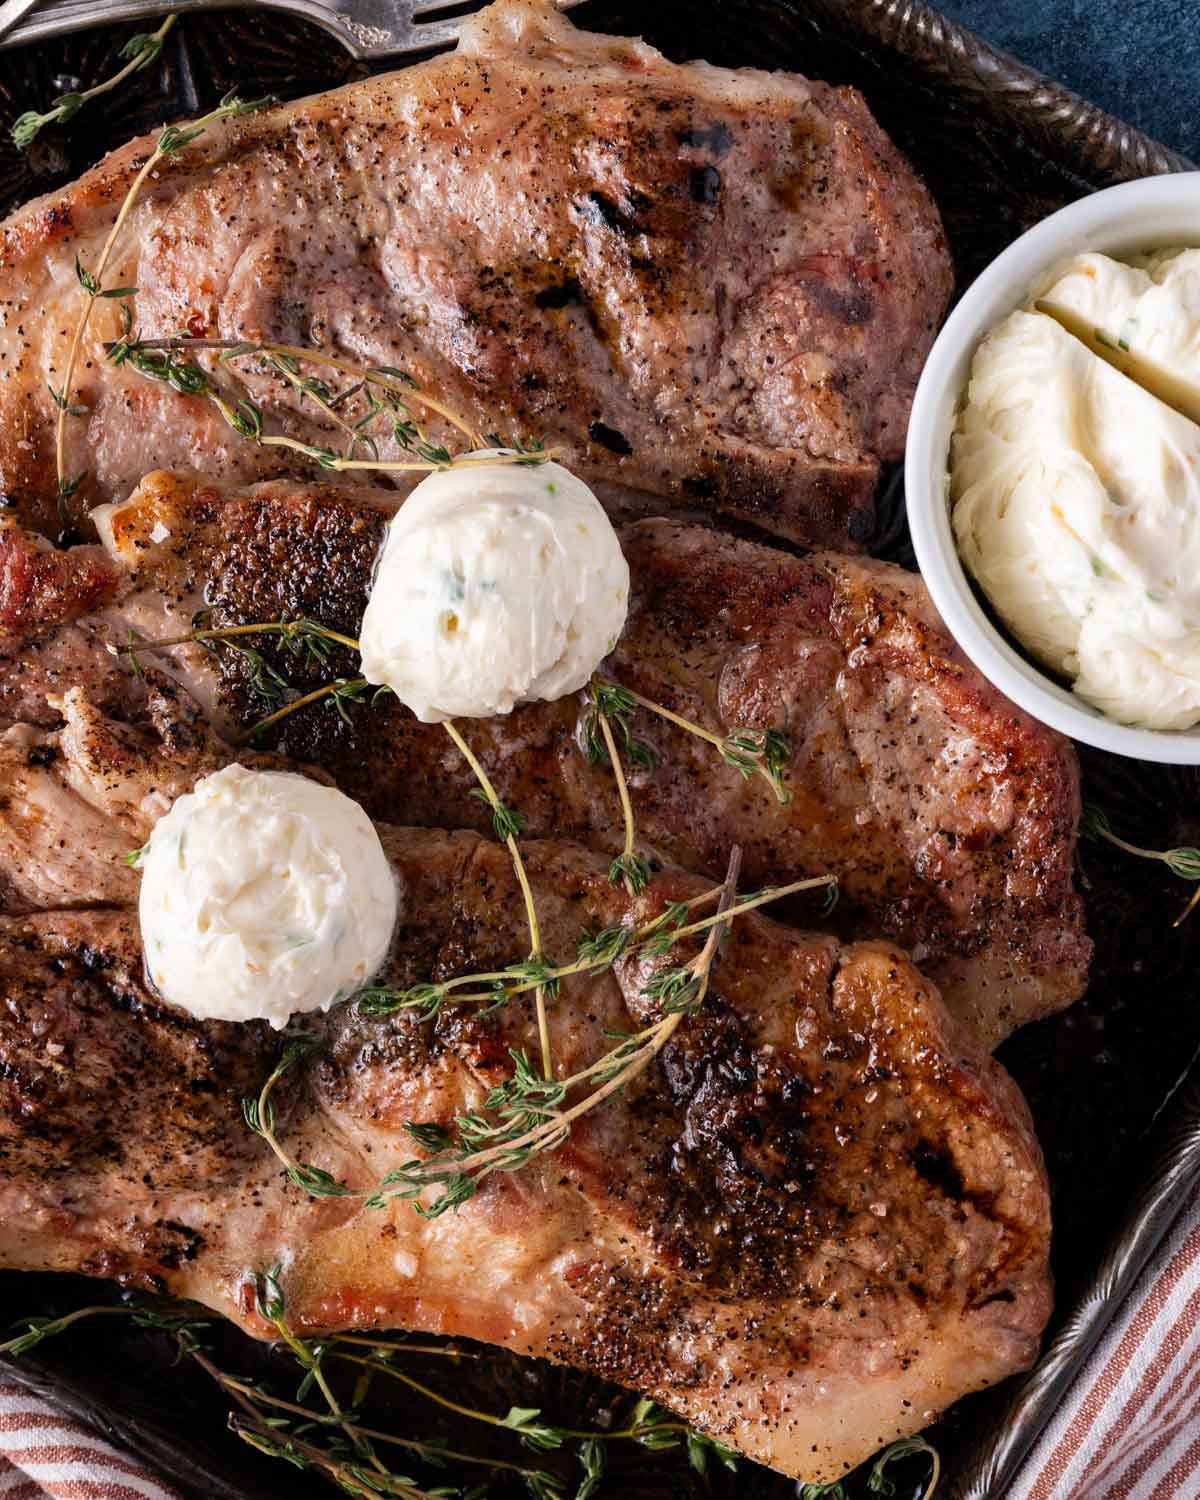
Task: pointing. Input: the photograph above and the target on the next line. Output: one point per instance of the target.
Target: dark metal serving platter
(1114, 1083)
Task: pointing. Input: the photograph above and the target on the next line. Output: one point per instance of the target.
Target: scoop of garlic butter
(1076, 505)
(1143, 316)
(498, 584)
(264, 894)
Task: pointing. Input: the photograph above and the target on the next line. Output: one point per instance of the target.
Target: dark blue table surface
(1138, 58)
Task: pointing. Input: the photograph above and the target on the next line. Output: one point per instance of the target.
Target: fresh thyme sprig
(396, 386)
(171, 141)
(763, 750)
(387, 394)
(275, 1439)
(341, 691)
(37, 1329)
(610, 701)
(140, 50)
(528, 1118)
(609, 706)
(750, 751)
(302, 639)
(538, 1435)
(1183, 862)
(629, 866)
(879, 1482)
(270, 1305)
(525, 1109)
(595, 954)
(259, 1114)
(523, 1117)
(338, 1443)
(507, 823)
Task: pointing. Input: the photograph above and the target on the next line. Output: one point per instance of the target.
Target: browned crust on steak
(40, 586)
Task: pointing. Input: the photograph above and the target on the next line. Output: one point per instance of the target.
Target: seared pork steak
(947, 814)
(710, 287)
(816, 1219)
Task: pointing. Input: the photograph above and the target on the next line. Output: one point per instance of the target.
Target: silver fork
(369, 29)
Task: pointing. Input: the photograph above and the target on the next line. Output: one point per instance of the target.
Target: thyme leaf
(593, 1456)
(652, 1427)
(604, 948)
(674, 990)
(172, 140)
(663, 939)
(765, 752)
(506, 821)
(64, 405)
(632, 869)
(701, 1448)
(424, 1000)
(1183, 861)
(140, 51)
(430, 1137)
(539, 1436)
(608, 700)
(529, 453)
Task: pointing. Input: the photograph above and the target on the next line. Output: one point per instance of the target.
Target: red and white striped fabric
(44, 1453)
(1129, 1428)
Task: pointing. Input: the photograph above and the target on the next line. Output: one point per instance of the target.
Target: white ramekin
(1151, 214)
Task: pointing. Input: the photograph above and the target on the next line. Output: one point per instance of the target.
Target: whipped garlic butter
(1076, 506)
(264, 894)
(1143, 316)
(498, 584)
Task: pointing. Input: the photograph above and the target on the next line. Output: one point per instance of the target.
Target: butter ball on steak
(264, 894)
(498, 584)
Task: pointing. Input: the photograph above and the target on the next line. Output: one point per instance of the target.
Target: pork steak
(948, 815)
(549, 229)
(815, 1220)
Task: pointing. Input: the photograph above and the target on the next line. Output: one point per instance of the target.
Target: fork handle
(378, 28)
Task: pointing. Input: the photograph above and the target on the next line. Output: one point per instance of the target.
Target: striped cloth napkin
(1128, 1430)
(43, 1452)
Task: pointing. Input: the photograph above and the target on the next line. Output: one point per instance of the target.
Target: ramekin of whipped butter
(1053, 470)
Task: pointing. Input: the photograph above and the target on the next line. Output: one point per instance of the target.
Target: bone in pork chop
(948, 815)
(817, 1218)
(706, 286)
